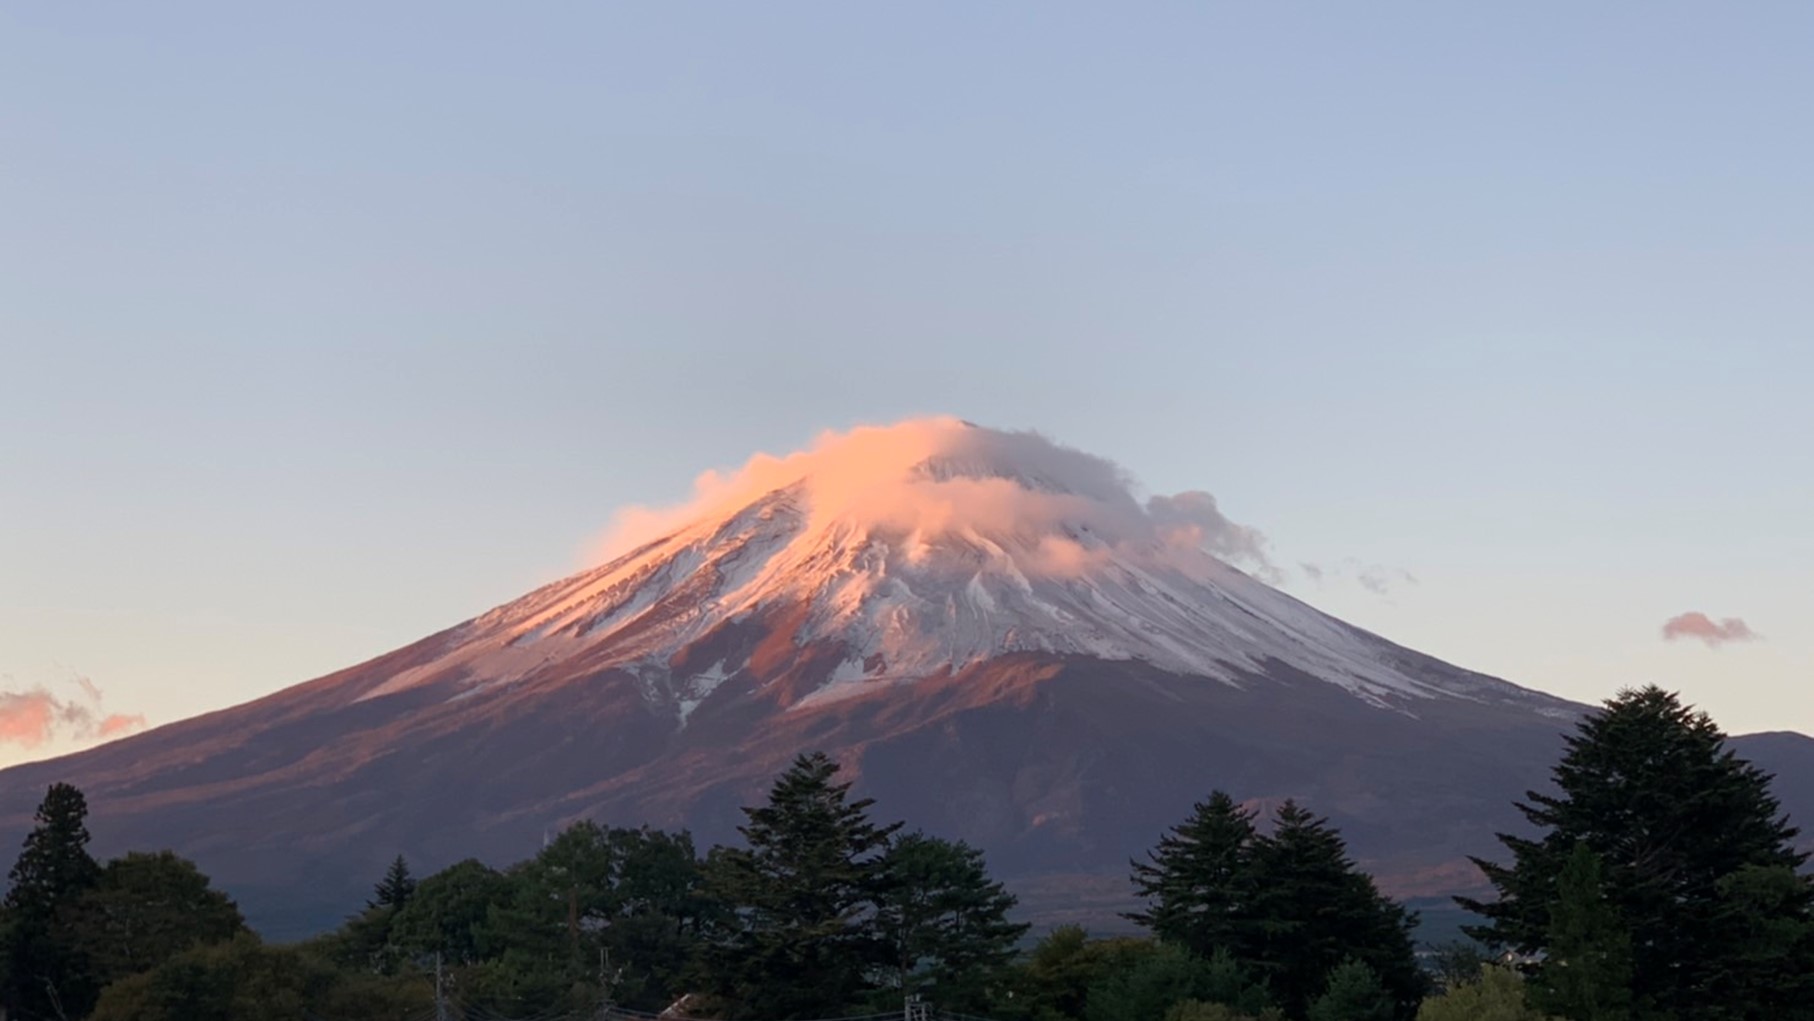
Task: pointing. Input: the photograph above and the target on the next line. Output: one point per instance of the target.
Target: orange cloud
(931, 478)
(119, 725)
(27, 718)
(34, 717)
(1715, 633)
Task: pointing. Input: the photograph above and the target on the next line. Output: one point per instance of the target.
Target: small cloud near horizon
(33, 717)
(1715, 633)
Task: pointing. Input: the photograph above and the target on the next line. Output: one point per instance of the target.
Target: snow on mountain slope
(921, 549)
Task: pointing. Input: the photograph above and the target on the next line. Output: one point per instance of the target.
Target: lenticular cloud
(933, 477)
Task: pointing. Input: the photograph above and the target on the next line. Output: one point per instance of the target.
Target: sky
(325, 328)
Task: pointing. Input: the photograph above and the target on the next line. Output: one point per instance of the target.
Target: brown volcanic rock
(1057, 766)
(1061, 767)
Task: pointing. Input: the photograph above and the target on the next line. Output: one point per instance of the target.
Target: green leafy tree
(1168, 976)
(944, 922)
(1315, 910)
(603, 912)
(1586, 975)
(1198, 883)
(1496, 994)
(1648, 785)
(42, 973)
(145, 909)
(1055, 980)
(1203, 1010)
(448, 914)
(801, 940)
(1353, 993)
(242, 979)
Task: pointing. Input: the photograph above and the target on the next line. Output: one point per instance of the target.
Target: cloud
(1378, 579)
(1192, 517)
(33, 717)
(1060, 511)
(1715, 633)
(119, 724)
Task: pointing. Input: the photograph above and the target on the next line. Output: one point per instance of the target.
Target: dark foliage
(1675, 819)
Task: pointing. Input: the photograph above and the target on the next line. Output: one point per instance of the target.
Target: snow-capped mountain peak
(921, 549)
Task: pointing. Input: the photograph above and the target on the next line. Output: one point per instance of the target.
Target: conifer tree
(1586, 975)
(1773, 946)
(1315, 910)
(1198, 883)
(802, 940)
(42, 972)
(394, 890)
(1648, 785)
(1353, 993)
(945, 922)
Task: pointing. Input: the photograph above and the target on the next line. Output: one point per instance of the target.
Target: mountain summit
(996, 637)
(888, 555)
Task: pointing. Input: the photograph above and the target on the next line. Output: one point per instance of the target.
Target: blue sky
(323, 329)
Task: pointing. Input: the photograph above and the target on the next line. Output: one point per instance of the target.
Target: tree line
(1658, 881)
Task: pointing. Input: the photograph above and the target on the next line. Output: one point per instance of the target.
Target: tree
(1497, 994)
(944, 921)
(1455, 963)
(1586, 975)
(1314, 910)
(1202, 1010)
(624, 901)
(1649, 786)
(366, 941)
(447, 914)
(1198, 883)
(394, 890)
(1773, 949)
(1353, 993)
(145, 909)
(1057, 977)
(801, 941)
(243, 979)
(42, 974)
(1169, 976)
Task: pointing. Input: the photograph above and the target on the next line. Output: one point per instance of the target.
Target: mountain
(995, 636)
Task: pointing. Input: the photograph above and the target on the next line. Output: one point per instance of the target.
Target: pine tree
(802, 942)
(1315, 909)
(42, 974)
(1773, 947)
(394, 890)
(1649, 786)
(1198, 883)
(1353, 993)
(945, 922)
(1586, 975)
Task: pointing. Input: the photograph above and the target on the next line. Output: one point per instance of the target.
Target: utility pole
(440, 991)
